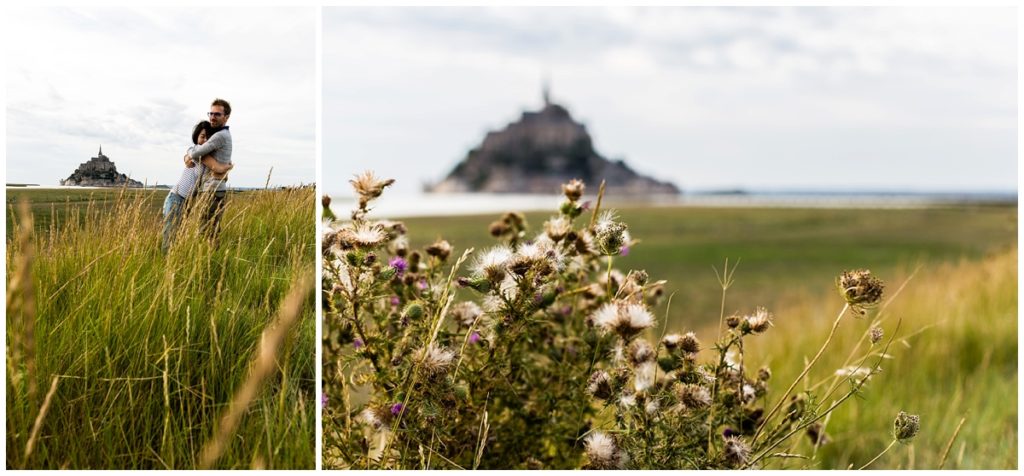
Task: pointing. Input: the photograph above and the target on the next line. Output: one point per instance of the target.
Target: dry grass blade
(262, 367)
(39, 421)
(21, 301)
(956, 432)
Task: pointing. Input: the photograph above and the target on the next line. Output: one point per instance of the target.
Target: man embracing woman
(203, 182)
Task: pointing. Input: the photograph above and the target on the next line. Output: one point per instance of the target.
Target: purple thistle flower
(538, 298)
(323, 400)
(399, 264)
(358, 343)
(395, 301)
(422, 283)
(566, 310)
(624, 251)
(729, 432)
(585, 205)
(474, 338)
(396, 409)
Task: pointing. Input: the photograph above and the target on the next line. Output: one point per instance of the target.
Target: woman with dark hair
(185, 187)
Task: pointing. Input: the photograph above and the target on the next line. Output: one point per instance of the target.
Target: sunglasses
(215, 114)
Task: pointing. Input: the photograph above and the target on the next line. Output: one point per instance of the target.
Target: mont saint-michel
(99, 171)
(539, 152)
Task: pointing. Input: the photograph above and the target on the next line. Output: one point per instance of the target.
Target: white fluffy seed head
(637, 317)
(643, 378)
(491, 263)
(435, 360)
(602, 451)
(606, 316)
(465, 313)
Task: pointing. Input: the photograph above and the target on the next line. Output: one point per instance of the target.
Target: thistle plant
(537, 353)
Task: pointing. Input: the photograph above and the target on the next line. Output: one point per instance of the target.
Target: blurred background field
(957, 350)
(149, 349)
(784, 254)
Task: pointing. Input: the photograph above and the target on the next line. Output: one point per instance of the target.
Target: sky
(136, 81)
(821, 98)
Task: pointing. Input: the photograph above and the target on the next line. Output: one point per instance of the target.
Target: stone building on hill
(99, 171)
(539, 152)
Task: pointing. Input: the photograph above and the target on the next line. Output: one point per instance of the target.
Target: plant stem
(807, 368)
(945, 452)
(887, 448)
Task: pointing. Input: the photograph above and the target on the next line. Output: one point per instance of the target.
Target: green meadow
(122, 357)
(950, 273)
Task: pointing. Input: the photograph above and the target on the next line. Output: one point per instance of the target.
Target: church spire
(546, 91)
(101, 151)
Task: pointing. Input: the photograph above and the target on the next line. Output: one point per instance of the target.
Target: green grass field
(957, 350)
(783, 254)
(149, 350)
(56, 206)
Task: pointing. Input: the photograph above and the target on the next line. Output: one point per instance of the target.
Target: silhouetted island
(99, 171)
(538, 153)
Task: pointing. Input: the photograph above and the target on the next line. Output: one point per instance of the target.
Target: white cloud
(709, 97)
(137, 80)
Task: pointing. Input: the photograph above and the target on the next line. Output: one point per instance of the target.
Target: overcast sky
(917, 99)
(137, 80)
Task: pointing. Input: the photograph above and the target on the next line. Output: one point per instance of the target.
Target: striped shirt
(188, 178)
(219, 146)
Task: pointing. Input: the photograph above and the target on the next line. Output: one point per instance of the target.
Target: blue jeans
(174, 205)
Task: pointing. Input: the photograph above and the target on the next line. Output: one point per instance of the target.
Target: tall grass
(955, 358)
(150, 349)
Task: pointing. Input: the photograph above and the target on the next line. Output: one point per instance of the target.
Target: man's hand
(189, 162)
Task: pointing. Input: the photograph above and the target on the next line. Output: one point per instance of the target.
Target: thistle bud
(498, 228)
(573, 190)
(640, 351)
(694, 396)
(414, 261)
(875, 335)
(906, 426)
(600, 385)
(756, 323)
(413, 310)
(817, 435)
(689, 343)
(732, 321)
(440, 250)
(736, 451)
(860, 289)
